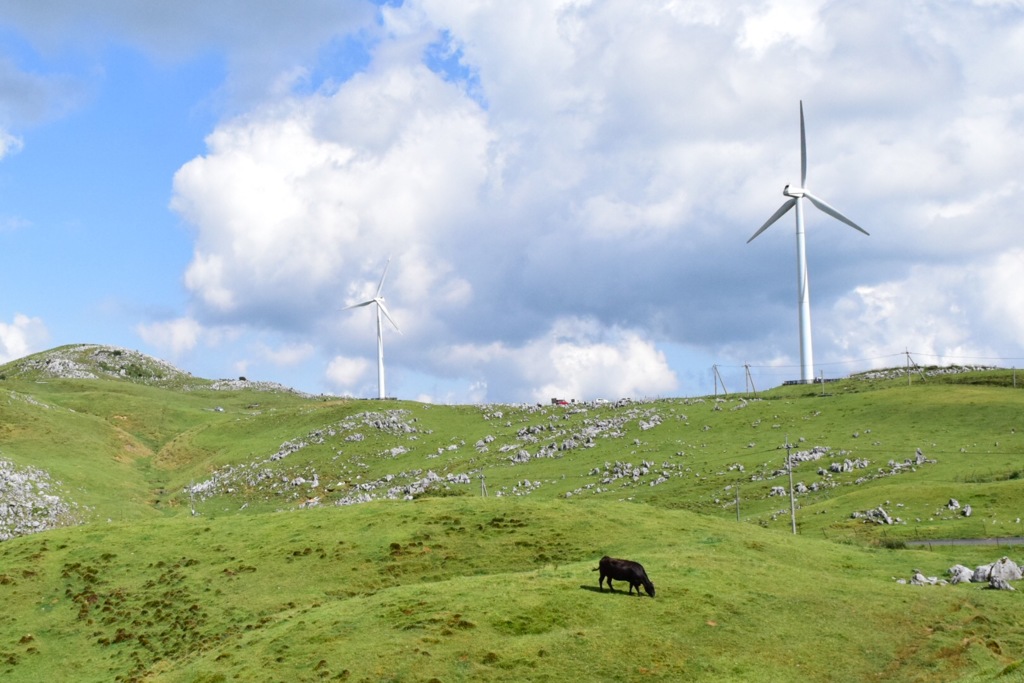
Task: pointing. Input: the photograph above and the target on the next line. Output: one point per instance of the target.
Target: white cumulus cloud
(22, 336)
(9, 144)
(936, 311)
(292, 203)
(565, 189)
(345, 374)
(576, 358)
(173, 336)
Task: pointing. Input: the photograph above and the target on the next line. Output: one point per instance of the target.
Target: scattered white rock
(29, 502)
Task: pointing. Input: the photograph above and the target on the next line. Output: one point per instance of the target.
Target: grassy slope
(118, 444)
(482, 589)
(466, 588)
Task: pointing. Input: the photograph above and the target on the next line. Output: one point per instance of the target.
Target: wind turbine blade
(789, 204)
(384, 310)
(383, 275)
(803, 148)
(365, 303)
(821, 204)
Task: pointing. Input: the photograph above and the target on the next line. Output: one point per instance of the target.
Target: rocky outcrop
(997, 575)
(94, 361)
(29, 502)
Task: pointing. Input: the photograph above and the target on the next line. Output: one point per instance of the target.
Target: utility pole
(750, 380)
(910, 362)
(718, 380)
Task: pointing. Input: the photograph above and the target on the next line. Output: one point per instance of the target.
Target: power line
(901, 354)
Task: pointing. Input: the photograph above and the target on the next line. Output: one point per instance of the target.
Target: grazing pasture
(232, 530)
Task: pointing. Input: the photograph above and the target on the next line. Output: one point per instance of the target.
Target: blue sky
(565, 189)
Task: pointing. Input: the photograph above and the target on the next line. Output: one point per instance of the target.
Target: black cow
(623, 570)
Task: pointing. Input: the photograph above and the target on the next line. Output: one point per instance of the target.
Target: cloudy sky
(564, 187)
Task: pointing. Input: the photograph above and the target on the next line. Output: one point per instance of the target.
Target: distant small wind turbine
(381, 308)
(796, 194)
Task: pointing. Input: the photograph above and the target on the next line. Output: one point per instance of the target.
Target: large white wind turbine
(381, 309)
(796, 196)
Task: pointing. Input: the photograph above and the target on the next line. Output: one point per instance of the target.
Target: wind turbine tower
(381, 310)
(796, 196)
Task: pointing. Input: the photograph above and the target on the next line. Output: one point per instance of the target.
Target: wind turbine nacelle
(791, 191)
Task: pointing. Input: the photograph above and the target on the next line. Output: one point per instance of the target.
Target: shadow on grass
(595, 589)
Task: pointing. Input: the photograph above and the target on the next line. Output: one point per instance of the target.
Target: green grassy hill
(239, 531)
